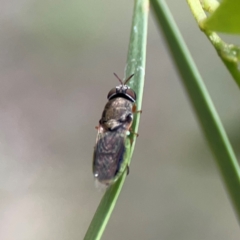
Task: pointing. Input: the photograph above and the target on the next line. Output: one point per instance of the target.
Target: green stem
(136, 59)
(135, 64)
(229, 53)
(104, 210)
(202, 104)
(197, 10)
(210, 5)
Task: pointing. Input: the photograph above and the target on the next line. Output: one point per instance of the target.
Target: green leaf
(229, 53)
(136, 59)
(107, 204)
(226, 18)
(135, 64)
(202, 103)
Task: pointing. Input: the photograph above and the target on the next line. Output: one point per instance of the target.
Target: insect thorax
(117, 112)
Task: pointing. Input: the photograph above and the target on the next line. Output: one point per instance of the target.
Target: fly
(113, 128)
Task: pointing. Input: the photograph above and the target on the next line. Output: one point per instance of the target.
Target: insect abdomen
(108, 156)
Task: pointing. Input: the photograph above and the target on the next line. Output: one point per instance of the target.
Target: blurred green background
(57, 60)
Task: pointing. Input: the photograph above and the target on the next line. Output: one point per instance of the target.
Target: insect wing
(108, 154)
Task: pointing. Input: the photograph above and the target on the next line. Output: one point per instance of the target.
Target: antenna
(128, 79)
(120, 80)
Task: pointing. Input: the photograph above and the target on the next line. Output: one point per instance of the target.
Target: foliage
(196, 90)
(135, 64)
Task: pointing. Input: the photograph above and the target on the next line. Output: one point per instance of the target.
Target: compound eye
(130, 93)
(111, 93)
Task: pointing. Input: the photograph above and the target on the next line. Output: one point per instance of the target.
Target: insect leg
(134, 109)
(131, 131)
(99, 126)
(128, 170)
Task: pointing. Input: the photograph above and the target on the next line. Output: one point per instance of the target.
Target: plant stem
(135, 64)
(136, 59)
(229, 53)
(202, 103)
(209, 5)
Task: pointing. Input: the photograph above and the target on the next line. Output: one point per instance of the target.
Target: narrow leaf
(202, 103)
(226, 18)
(135, 64)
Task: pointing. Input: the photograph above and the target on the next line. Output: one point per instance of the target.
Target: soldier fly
(113, 128)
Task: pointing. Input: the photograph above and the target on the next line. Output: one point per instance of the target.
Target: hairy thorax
(117, 112)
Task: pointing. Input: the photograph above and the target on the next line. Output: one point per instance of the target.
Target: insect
(113, 128)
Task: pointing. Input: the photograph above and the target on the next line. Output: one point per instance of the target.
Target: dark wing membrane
(108, 154)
